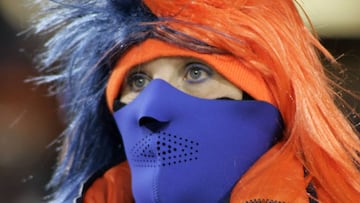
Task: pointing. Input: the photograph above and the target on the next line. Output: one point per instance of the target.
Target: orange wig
(270, 38)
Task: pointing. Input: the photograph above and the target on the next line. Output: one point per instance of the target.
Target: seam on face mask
(156, 195)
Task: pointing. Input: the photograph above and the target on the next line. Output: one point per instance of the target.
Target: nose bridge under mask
(153, 105)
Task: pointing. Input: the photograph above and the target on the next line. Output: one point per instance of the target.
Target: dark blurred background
(30, 120)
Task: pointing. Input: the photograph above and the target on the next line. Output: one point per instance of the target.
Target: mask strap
(246, 96)
(118, 105)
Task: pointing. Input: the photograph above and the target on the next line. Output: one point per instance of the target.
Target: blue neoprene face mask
(185, 149)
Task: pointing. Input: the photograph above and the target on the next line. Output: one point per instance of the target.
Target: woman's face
(171, 137)
(187, 74)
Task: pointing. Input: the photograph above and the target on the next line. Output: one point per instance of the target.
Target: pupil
(195, 74)
(139, 82)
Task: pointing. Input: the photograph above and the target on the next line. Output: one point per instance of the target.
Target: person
(195, 101)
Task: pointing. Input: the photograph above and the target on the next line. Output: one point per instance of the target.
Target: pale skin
(189, 75)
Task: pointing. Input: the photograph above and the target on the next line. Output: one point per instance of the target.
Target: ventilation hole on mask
(167, 150)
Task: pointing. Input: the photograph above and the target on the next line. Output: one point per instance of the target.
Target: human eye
(138, 81)
(197, 72)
